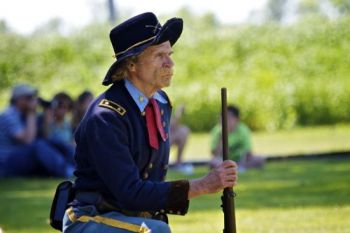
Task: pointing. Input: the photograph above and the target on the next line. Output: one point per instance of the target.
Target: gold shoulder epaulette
(113, 106)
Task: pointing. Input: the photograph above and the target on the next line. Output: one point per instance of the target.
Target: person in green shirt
(239, 142)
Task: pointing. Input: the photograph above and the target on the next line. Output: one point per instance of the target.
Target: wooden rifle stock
(227, 198)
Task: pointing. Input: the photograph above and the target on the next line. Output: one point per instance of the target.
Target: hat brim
(171, 31)
(26, 91)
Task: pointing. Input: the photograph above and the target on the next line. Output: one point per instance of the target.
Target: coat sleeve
(108, 142)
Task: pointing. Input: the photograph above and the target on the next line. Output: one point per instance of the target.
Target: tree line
(280, 75)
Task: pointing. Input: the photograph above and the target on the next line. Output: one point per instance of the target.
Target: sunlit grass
(305, 220)
(289, 196)
(306, 140)
(304, 196)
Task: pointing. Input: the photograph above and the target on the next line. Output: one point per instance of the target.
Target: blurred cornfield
(281, 76)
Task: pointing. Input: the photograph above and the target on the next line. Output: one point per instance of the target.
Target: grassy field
(290, 196)
(288, 142)
(304, 196)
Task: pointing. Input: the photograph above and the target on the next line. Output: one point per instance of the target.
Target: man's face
(154, 66)
(26, 103)
(61, 110)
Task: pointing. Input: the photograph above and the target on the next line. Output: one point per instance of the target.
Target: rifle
(227, 198)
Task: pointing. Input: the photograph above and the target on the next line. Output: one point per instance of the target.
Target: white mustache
(167, 72)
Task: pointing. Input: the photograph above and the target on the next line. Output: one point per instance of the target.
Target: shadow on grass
(287, 184)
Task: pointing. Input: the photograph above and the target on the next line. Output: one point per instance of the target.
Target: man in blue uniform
(123, 141)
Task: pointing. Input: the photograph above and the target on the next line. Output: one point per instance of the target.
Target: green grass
(287, 142)
(303, 196)
(289, 196)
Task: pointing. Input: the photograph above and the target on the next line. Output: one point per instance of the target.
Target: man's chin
(167, 81)
(164, 85)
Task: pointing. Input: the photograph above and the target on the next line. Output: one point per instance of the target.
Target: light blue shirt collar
(140, 99)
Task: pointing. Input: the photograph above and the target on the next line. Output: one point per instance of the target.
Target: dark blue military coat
(114, 158)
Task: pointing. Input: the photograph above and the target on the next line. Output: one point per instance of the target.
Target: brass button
(143, 113)
(162, 211)
(150, 166)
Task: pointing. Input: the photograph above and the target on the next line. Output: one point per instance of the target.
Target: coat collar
(140, 99)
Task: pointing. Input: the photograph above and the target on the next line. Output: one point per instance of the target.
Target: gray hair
(122, 71)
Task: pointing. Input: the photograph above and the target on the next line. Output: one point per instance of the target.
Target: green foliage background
(280, 75)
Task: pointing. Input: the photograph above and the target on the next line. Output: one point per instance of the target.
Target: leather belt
(103, 206)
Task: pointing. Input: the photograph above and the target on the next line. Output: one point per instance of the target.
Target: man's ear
(131, 66)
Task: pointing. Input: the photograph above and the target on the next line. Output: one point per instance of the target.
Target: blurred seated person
(55, 125)
(178, 137)
(20, 152)
(81, 104)
(239, 142)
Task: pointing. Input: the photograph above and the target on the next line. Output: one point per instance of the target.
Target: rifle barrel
(224, 124)
(228, 203)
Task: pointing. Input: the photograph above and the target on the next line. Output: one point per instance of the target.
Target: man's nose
(169, 62)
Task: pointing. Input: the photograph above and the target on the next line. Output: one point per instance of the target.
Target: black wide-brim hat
(136, 34)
